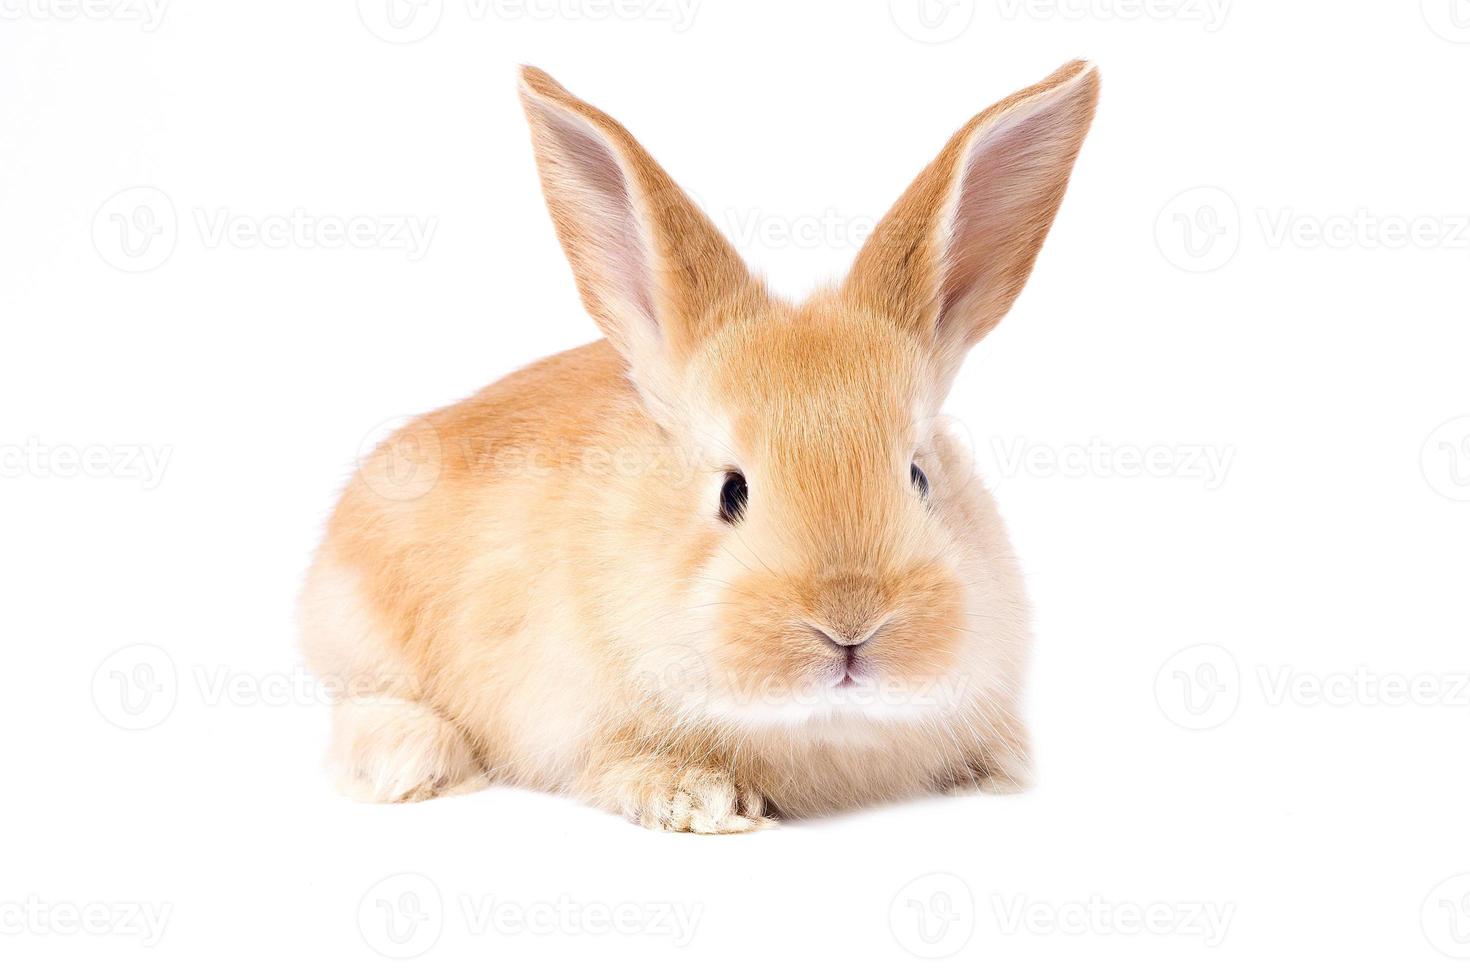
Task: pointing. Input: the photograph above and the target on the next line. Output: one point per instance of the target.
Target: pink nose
(849, 642)
(850, 607)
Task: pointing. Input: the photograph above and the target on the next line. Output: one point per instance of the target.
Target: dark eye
(732, 497)
(917, 477)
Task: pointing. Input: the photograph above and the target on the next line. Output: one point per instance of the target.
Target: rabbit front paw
(698, 799)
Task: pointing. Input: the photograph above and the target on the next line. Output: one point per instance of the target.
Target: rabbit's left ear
(952, 255)
(652, 269)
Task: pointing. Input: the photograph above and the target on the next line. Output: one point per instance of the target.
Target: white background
(177, 416)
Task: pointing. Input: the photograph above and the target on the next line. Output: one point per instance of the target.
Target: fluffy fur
(535, 587)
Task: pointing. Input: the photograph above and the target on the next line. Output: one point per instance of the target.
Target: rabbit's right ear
(651, 268)
(948, 260)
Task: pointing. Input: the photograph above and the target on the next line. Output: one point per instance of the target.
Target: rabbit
(725, 565)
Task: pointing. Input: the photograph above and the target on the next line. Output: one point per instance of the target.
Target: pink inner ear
(1010, 184)
(596, 188)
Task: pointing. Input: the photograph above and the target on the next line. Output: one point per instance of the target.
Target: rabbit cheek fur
(536, 586)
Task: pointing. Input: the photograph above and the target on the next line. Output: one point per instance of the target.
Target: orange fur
(535, 586)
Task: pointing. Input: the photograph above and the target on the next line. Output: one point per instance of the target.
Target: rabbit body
(730, 563)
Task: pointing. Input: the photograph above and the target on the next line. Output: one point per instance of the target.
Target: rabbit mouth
(852, 663)
(862, 695)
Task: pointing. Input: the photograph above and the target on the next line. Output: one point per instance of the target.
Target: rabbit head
(839, 563)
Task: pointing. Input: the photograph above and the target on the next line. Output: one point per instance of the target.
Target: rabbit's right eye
(732, 497)
(919, 480)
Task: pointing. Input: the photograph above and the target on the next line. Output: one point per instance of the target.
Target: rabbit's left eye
(733, 496)
(918, 479)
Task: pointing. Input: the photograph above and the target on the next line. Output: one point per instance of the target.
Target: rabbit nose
(849, 607)
(841, 640)
(848, 643)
